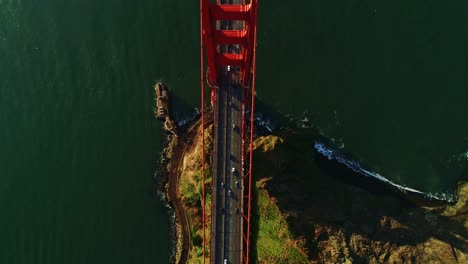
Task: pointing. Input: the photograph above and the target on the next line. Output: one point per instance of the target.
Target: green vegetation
(190, 192)
(300, 209)
(272, 237)
(275, 242)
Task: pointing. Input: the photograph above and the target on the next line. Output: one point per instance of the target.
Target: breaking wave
(335, 154)
(185, 122)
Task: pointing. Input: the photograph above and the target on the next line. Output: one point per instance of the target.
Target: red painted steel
(210, 14)
(231, 59)
(231, 36)
(252, 117)
(213, 175)
(230, 12)
(213, 102)
(211, 39)
(202, 66)
(206, 28)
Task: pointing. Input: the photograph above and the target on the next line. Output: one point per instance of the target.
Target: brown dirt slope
(185, 190)
(175, 152)
(332, 220)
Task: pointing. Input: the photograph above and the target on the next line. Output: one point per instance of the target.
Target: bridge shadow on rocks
(344, 216)
(181, 111)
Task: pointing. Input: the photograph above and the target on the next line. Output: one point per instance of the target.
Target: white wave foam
(331, 153)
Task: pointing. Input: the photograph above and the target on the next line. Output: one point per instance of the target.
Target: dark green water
(386, 78)
(79, 141)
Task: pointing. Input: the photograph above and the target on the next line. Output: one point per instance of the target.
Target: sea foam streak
(335, 154)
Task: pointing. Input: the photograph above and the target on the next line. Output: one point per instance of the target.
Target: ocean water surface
(79, 143)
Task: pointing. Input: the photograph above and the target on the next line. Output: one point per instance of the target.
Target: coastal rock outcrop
(308, 210)
(339, 220)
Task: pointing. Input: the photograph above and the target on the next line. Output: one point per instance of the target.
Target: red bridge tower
(243, 59)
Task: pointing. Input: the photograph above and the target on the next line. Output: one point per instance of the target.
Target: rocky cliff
(332, 216)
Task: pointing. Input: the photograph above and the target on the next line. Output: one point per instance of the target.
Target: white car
(233, 170)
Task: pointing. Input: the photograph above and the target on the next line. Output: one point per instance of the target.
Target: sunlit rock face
(337, 218)
(461, 207)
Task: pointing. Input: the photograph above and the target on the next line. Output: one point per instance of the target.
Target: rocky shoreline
(174, 153)
(322, 211)
(338, 216)
(178, 147)
(169, 173)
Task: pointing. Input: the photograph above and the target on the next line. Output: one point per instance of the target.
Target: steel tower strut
(213, 38)
(226, 48)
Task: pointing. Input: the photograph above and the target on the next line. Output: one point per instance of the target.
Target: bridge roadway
(228, 185)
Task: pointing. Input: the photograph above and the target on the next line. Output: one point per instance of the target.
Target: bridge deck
(228, 185)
